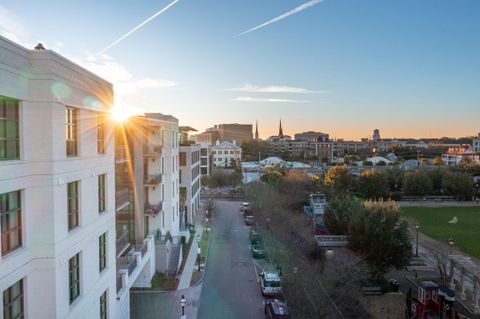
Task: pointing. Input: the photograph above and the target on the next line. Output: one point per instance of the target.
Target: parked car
(270, 283)
(250, 220)
(275, 308)
(255, 237)
(244, 207)
(257, 251)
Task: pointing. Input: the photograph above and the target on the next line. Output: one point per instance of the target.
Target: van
(270, 283)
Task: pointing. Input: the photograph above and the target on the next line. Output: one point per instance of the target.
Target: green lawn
(434, 223)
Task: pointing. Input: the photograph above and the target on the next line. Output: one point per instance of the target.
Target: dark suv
(275, 308)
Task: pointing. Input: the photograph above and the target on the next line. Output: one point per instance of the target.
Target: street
(230, 288)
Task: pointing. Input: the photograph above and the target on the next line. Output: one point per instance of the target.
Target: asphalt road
(230, 288)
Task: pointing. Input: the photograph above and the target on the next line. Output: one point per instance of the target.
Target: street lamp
(198, 251)
(417, 227)
(183, 303)
(268, 223)
(451, 243)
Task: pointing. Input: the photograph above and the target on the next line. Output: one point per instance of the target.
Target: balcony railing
(120, 153)
(128, 262)
(152, 209)
(119, 282)
(122, 197)
(152, 150)
(122, 241)
(152, 180)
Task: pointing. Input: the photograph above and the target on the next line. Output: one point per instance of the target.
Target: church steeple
(256, 130)
(280, 130)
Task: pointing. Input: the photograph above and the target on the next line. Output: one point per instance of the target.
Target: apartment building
(150, 177)
(226, 153)
(189, 162)
(206, 159)
(57, 194)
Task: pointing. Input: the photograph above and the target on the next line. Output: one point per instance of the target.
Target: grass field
(434, 223)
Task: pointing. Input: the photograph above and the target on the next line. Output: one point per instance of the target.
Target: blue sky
(409, 68)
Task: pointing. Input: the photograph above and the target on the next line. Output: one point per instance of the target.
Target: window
(74, 277)
(101, 133)
(182, 158)
(72, 205)
(11, 220)
(102, 251)
(103, 306)
(13, 301)
(101, 193)
(9, 129)
(71, 131)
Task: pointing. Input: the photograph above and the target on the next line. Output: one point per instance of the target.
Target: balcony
(130, 264)
(150, 209)
(122, 241)
(152, 150)
(152, 180)
(122, 198)
(121, 154)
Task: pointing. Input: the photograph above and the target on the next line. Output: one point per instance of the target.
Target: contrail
(138, 26)
(283, 16)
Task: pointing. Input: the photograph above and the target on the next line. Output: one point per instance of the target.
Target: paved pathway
(189, 267)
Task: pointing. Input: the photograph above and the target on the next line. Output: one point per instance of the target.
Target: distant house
(455, 155)
(225, 153)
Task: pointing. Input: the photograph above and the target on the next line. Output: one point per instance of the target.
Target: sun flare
(120, 114)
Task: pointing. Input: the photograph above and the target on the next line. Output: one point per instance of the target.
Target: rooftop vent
(39, 47)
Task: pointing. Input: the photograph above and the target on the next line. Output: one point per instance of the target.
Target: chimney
(234, 142)
(217, 143)
(39, 47)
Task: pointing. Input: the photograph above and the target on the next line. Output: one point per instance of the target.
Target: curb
(206, 254)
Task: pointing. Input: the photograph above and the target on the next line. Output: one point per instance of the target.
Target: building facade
(226, 153)
(225, 132)
(206, 159)
(189, 162)
(476, 144)
(456, 155)
(57, 188)
(312, 136)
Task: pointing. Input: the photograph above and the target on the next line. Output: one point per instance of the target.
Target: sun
(120, 114)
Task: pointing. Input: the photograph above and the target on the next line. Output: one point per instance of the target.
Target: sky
(410, 68)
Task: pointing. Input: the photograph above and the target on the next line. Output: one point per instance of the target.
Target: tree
(436, 176)
(338, 179)
(338, 214)
(417, 183)
(437, 161)
(395, 178)
(378, 234)
(459, 185)
(252, 150)
(373, 184)
(295, 186)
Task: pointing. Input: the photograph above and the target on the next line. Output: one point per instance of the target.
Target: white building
(476, 144)
(189, 161)
(206, 159)
(225, 153)
(57, 194)
(455, 155)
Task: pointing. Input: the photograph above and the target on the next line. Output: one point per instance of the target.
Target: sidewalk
(186, 276)
(189, 267)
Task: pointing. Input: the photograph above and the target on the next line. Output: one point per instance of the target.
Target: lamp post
(268, 223)
(183, 303)
(198, 251)
(417, 227)
(450, 243)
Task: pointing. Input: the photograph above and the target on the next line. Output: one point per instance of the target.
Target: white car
(270, 283)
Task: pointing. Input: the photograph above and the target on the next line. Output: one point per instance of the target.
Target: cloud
(124, 82)
(274, 89)
(12, 29)
(267, 100)
(283, 16)
(137, 27)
